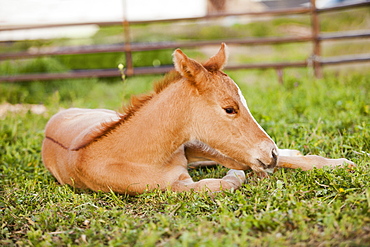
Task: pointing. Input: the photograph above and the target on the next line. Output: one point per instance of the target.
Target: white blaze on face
(242, 99)
(244, 102)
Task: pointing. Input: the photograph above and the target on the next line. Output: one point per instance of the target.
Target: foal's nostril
(272, 163)
(274, 158)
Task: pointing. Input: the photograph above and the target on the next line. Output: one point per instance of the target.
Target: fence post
(280, 74)
(127, 42)
(316, 41)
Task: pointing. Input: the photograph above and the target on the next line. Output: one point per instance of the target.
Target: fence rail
(127, 47)
(171, 45)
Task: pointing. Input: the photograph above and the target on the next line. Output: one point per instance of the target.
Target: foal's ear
(187, 67)
(218, 61)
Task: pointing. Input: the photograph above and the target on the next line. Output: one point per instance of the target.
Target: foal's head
(221, 116)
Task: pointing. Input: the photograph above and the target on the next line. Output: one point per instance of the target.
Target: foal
(196, 113)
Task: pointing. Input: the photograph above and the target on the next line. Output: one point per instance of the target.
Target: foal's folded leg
(233, 180)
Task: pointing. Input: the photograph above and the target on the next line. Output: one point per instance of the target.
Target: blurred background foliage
(227, 28)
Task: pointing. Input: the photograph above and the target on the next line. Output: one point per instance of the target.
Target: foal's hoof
(237, 173)
(349, 164)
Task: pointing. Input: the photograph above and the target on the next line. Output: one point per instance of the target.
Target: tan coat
(195, 114)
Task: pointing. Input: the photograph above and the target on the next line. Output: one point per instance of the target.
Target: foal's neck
(157, 129)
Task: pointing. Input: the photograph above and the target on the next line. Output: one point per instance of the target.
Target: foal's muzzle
(269, 167)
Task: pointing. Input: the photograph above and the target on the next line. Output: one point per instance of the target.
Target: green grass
(325, 207)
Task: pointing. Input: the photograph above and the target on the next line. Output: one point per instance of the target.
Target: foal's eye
(230, 110)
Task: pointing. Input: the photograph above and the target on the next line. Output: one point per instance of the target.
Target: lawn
(328, 207)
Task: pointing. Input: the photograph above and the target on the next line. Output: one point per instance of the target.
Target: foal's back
(70, 127)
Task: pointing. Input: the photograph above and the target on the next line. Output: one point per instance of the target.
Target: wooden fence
(316, 61)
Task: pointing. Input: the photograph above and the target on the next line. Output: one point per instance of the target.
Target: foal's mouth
(270, 168)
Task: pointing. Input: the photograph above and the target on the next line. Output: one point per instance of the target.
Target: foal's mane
(136, 103)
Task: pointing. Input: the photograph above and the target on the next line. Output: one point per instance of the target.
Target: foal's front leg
(199, 154)
(233, 180)
(294, 159)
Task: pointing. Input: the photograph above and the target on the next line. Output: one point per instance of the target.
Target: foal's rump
(70, 128)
